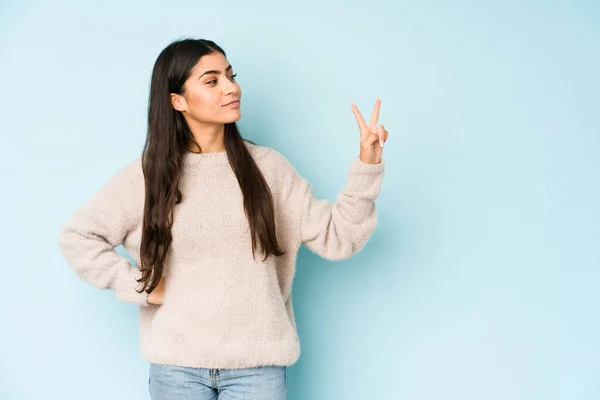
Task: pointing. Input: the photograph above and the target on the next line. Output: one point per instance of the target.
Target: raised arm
(338, 230)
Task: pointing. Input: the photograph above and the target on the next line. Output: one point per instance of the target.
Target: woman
(214, 223)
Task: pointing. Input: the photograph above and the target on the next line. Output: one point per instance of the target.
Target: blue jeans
(167, 382)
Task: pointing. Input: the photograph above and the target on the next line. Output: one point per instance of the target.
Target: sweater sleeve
(88, 239)
(337, 230)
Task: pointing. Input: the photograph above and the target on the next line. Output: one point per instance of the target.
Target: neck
(210, 138)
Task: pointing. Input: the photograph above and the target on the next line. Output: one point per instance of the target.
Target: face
(208, 93)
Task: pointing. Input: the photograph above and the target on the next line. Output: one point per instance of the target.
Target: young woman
(214, 223)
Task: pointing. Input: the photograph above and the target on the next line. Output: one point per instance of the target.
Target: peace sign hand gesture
(372, 137)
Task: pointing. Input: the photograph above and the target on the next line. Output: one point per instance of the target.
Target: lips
(235, 101)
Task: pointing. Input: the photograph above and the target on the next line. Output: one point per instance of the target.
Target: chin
(233, 118)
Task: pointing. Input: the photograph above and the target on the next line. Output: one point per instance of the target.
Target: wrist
(156, 295)
(369, 159)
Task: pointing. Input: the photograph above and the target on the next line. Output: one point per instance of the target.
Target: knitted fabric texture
(222, 308)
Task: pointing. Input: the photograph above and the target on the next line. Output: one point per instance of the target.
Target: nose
(230, 88)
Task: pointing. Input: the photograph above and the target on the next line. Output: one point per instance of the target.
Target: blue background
(482, 278)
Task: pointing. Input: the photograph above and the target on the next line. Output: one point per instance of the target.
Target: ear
(178, 102)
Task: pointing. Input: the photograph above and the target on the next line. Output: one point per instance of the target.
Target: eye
(214, 81)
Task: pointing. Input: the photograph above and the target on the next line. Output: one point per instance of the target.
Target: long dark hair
(167, 142)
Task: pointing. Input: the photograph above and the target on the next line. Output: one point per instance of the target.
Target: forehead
(212, 61)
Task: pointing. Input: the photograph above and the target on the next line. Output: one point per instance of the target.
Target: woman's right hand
(156, 297)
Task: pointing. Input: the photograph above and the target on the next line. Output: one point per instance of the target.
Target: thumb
(370, 140)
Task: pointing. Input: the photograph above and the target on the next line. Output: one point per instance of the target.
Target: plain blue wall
(481, 280)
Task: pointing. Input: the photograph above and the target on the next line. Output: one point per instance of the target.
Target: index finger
(359, 119)
(375, 114)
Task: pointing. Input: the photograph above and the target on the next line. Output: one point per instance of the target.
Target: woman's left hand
(372, 137)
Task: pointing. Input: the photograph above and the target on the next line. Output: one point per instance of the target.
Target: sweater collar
(191, 159)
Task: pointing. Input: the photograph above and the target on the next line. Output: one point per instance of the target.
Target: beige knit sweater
(221, 308)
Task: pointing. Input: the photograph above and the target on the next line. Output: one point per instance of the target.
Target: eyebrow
(214, 71)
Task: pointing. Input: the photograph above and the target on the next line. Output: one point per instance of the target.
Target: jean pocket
(150, 384)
